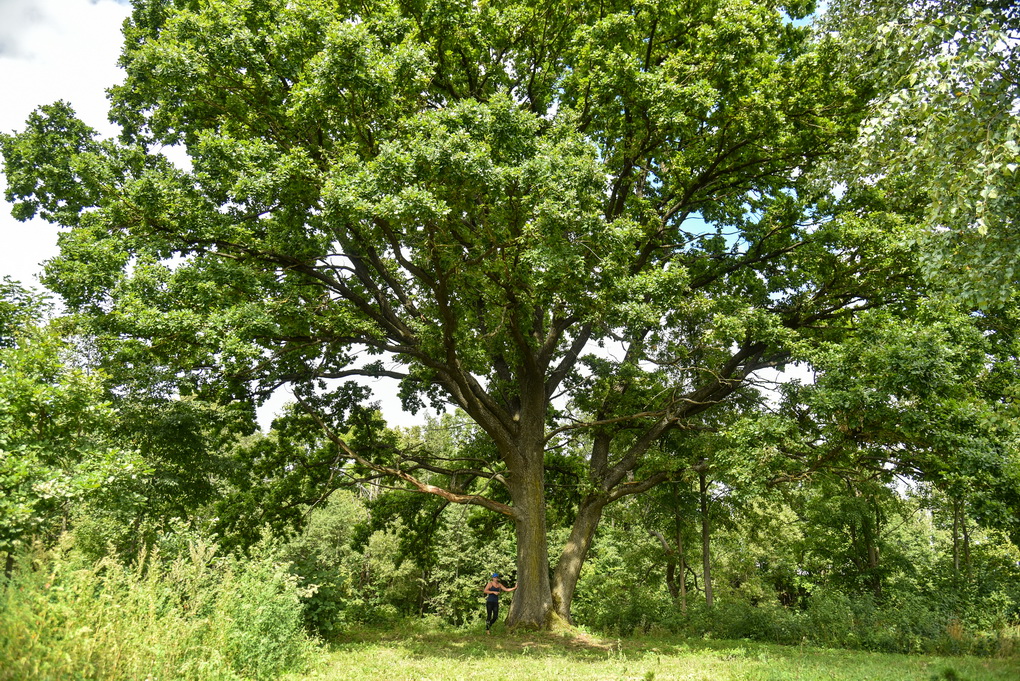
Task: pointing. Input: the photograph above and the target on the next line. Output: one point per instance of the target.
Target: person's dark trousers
(491, 613)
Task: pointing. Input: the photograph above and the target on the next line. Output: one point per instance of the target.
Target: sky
(51, 50)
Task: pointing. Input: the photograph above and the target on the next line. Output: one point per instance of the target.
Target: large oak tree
(570, 220)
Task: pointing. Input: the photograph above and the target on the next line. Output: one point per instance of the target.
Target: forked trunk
(568, 569)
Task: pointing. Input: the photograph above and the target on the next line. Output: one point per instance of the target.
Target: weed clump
(199, 616)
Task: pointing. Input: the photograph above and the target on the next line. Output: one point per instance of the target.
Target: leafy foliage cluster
(943, 127)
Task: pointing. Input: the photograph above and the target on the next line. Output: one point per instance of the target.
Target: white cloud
(16, 17)
(50, 50)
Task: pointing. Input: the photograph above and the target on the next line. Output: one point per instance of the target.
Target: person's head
(495, 576)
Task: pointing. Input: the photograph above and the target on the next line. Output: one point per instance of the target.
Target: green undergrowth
(198, 616)
(425, 654)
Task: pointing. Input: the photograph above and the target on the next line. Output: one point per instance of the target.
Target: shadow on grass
(572, 644)
(432, 652)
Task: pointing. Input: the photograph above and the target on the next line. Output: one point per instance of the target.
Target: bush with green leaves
(780, 576)
(325, 564)
(360, 563)
(615, 593)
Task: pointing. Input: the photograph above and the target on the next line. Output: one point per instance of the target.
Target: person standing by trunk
(492, 590)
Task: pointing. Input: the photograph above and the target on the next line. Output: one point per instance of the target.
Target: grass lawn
(443, 655)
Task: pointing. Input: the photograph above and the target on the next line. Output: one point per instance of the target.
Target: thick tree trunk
(531, 607)
(568, 569)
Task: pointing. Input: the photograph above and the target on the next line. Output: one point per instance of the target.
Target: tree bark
(966, 542)
(568, 569)
(682, 561)
(956, 538)
(532, 604)
(671, 579)
(872, 532)
(706, 536)
(674, 556)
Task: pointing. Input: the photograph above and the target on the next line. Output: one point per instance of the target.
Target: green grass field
(464, 656)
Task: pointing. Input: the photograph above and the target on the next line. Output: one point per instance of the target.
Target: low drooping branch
(419, 485)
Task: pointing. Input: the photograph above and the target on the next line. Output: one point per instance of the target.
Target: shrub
(830, 619)
(904, 623)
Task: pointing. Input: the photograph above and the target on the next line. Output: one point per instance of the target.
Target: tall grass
(198, 616)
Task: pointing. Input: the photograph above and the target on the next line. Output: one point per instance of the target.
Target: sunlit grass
(453, 655)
